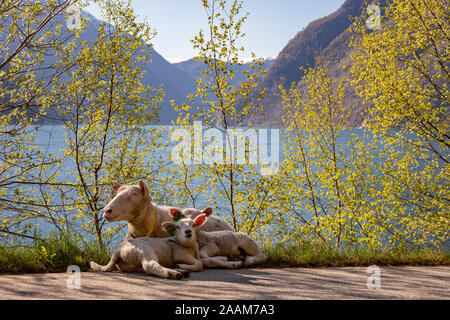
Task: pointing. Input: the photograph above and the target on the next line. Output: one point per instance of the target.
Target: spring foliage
(385, 188)
(237, 189)
(402, 72)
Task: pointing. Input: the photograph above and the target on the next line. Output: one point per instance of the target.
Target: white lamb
(228, 244)
(158, 256)
(214, 222)
(216, 247)
(133, 203)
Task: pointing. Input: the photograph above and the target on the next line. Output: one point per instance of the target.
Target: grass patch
(316, 255)
(56, 252)
(52, 254)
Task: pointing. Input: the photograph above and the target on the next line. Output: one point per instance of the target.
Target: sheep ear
(167, 224)
(144, 188)
(207, 211)
(175, 213)
(116, 185)
(200, 220)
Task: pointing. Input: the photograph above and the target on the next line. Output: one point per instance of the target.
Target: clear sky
(269, 27)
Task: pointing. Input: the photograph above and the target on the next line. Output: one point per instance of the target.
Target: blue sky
(269, 27)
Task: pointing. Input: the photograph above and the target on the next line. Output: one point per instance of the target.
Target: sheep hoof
(181, 273)
(179, 276)
(185, 273)
(175, 275)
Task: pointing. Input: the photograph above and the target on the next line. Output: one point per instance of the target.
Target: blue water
(52, 138)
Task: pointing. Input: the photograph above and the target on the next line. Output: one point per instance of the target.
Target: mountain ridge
(194, 69)
(159, 72)
(329, 37)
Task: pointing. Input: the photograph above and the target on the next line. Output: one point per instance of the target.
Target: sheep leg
(191, 264)
(222, 258)
(250, 249)
(109, 267)
(218, 262)
(154, 268)
(251, 260)
(209, 250)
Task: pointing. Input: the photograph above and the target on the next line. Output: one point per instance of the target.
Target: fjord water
(52, 139)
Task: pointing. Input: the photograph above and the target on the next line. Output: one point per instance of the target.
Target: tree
(234, 186)
(327, 172)
(402, 72)
(106, 110)
(30, 32)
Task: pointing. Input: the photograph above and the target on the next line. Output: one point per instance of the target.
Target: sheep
(133, 203)
(158, 256)
(229, 244)
(216, 246)
(214, 222)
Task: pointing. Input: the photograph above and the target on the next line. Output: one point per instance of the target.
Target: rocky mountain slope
(328, 37)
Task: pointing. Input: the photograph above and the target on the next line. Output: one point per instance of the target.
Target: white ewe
(133, 203)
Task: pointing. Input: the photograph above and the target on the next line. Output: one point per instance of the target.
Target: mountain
(158, 72)
(330, 38)
(176, 82)
(194, 68)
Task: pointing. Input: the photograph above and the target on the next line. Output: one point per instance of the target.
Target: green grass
(52, 254)
(56, 252)
(315, 255)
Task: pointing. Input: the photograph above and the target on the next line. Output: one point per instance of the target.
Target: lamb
(133, 203)
(229, 244)
(158, 256)
(215, 223)
(216, 246)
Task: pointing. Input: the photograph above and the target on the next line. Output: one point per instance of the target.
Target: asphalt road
(258, 283)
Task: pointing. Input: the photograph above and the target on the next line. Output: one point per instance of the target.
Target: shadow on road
(255, 283)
